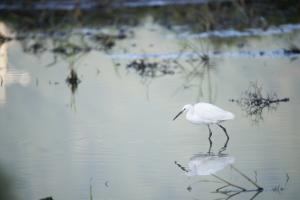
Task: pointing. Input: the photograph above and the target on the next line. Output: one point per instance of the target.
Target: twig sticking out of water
(253, 102)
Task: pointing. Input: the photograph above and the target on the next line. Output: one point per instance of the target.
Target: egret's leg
(209, 138)
(224, 129)
(224, 147)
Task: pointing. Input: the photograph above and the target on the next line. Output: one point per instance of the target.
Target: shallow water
(113, 137)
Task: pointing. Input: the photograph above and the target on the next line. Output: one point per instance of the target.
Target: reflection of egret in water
(9, 76)
(204, 164)
(253, 102)
(208, 163)
(196, 71)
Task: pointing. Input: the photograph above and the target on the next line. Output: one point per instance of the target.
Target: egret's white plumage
(206, 113)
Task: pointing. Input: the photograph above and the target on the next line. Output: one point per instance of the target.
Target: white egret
(206, 113)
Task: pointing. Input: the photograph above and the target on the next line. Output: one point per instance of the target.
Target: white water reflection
(207, 163)
(8, 75)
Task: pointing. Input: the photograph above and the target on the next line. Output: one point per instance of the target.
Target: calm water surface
(114, 136)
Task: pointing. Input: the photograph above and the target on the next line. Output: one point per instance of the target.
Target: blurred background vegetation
(202, 16)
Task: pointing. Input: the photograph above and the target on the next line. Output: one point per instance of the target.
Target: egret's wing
(211, 112)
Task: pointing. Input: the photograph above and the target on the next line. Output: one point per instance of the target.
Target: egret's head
(185, 108)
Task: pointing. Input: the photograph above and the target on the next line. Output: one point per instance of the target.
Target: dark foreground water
(97, 123)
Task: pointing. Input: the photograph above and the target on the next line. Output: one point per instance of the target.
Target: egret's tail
(229, 116)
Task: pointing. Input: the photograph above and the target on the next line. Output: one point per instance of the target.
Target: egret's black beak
(178, 114)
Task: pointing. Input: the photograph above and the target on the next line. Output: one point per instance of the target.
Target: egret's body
(206, 113)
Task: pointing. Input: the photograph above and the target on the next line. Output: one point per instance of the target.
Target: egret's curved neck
(190, 110)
